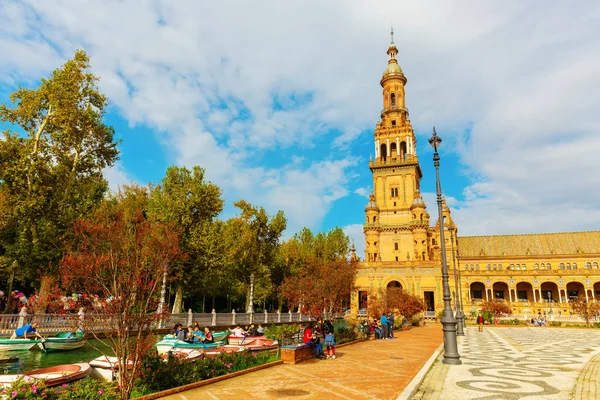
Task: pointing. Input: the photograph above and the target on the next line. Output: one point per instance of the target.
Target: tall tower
(397, 225)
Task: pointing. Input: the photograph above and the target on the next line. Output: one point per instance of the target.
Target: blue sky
(278, 100)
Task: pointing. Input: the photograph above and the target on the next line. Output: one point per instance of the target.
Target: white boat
(53, 376)
(17, 344)
(64, 341)
(106, 368)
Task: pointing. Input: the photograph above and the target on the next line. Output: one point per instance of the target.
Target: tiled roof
(530, 244)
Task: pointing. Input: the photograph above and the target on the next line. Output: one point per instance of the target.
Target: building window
(433, 242)
(488, 267)
(394, 192)
(574, 265)
(588, 265)
(393, 122)
(523, 267)
(466, 267)
(494, 267)
(499, 267)
(477, 267)
(537, 266)
(374, 219)
(568, 266)
(472, 267)
(394, 204)
(548, 267)
(396, 248)
(595, 265)
(511, 266)
(561, 266)
(396, 258)
(518, 267)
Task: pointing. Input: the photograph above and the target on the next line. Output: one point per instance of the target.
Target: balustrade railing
(53, 323)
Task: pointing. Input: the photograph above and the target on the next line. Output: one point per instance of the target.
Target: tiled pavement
(376, 369)
(519, 363)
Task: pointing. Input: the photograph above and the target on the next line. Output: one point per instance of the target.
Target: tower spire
(392, 34)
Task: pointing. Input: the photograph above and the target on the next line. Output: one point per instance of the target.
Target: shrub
(156, 375)
(345, 335)
(555, 323)
(84, 389)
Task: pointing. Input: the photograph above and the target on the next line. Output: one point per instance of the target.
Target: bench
(296, 354)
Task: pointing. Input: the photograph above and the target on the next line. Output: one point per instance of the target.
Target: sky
(278, 100)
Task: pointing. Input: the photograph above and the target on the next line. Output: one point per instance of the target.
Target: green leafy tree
(187, 199)
(252, 241)
(51, 166)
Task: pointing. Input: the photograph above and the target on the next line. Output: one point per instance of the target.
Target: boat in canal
(53, 376)
(106, 368)
(242, 340)
(64, 341)
(166, 345)
(259, 344)
(18, 344)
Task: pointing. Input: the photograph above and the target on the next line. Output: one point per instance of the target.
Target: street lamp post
(451, 355)
(250, 309)
(460, 285)
(460, 315)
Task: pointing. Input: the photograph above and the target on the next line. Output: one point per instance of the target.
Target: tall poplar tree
(51, 164)
(186, 198)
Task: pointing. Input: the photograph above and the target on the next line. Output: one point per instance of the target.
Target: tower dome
(371, 205)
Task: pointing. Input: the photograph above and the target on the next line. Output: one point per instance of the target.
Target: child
(330, 343)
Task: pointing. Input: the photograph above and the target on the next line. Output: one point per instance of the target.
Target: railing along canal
(53, 323)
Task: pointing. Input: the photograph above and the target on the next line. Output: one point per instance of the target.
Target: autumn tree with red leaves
(584, 308)
(397, 301)
(495, 308)
(320, 285)
(119, 254)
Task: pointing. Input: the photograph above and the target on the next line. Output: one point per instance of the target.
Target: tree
(321, 285)
(119, 254)
(585, 309)
(185, 198)
(296, 252)
(51, 168)
(495, 308)
(397, 301)
(252, 242)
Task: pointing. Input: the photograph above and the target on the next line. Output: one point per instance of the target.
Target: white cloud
(357, 236)
(363, 191)
(117, 176)
(205, 75)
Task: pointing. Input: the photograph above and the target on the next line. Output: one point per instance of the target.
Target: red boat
(257, 344)
(52, 375)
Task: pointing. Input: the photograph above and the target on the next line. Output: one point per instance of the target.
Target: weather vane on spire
(392, 33)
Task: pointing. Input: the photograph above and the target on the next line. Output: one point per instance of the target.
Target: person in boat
(198, 335)
(237, 331)
(179, 332)
(252, 331)
(260, 330)
(189, 336)
(24, 330)
(208, 337)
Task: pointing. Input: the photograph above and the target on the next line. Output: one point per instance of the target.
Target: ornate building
(533, 272)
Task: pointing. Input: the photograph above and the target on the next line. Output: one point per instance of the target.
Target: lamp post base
(460, 323)
(451, 355)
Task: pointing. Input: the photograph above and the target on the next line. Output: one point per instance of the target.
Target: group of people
(322, 330)
(382, 328)
(193, 334)
(248, 330)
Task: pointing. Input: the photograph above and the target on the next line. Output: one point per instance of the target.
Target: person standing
(390, 319)
(480, 322)
(384, 326)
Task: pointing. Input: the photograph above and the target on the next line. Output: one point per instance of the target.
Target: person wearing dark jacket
(480, 322)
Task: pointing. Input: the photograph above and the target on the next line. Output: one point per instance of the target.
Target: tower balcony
(394, 108)
(409, 159)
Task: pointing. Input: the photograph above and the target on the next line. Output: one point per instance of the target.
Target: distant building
(535, 273)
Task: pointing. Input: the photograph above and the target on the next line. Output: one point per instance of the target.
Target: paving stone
(376, 369)
(518, 363)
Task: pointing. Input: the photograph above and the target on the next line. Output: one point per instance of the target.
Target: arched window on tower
(383, 152)
(393, 149)
(588, 265)
(595, 265)
(403, 150)
(561, 266)
(574, 265)
(392, 99)
(568, 266)
(536, 266)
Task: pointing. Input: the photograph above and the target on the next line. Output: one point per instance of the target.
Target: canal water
(35, 358)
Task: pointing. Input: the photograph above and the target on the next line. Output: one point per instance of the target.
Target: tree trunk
(47, 284)
(178, 304)
(203, 303)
